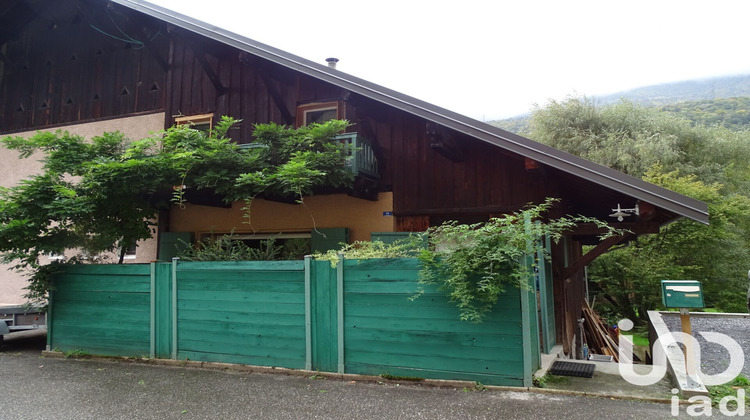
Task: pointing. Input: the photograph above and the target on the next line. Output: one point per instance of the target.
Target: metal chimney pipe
(332, 62)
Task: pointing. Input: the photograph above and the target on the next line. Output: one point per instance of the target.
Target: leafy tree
(632, 139)
(731, 113)
(104, 194)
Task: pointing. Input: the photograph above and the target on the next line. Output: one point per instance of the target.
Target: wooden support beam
(598, 250)
(212, 76)
(443, 142)
(289, 119)
(590, 229)
(252, 61)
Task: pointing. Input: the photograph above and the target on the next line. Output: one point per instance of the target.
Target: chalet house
(90, 66)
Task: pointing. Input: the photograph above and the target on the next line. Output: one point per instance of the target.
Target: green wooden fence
(359, 317)
(102, 309)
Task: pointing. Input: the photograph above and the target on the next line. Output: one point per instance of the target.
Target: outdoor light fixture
(621, 213)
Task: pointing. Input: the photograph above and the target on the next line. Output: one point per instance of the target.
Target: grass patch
(76, 354)
(549, 379)
(717, 392)
(478, 386)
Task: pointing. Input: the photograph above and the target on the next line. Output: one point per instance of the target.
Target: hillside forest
(697, 148)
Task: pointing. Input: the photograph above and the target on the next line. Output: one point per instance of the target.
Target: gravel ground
(714, 357)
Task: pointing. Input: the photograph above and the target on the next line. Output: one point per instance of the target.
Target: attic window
(203, 122)
(320, 112)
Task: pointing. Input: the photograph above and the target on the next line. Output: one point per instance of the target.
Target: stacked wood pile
(601, 339)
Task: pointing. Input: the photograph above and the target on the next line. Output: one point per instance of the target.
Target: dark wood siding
(77, 66)
(484, 181)
(70, 65)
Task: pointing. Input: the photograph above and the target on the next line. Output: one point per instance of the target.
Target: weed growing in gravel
(718, 392)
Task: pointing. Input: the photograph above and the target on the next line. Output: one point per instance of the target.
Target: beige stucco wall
(13, 169)
(325, 211)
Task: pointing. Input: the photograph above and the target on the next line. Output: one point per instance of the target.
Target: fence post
(340, 312)
(50, 314)
(308, 316)
(175, 260)
(152, 323)
(161, 310)
(529, 318)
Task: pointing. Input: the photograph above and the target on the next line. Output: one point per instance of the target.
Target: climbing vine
(475, 263)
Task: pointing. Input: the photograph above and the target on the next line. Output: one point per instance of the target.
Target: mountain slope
(721, 100)
(691, 90)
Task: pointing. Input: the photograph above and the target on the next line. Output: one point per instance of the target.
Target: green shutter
(323, 240)
(172, 243)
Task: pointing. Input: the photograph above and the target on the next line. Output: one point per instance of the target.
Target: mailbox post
(684, 294)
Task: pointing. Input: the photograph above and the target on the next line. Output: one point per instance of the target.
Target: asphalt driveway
(34, 387)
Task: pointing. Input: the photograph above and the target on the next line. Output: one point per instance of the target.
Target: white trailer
(16, 318)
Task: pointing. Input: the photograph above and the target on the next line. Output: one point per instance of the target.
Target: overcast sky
(494, 59)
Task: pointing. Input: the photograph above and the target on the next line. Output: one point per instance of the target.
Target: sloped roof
(576, 166)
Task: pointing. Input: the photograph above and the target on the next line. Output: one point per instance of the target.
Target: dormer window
(319, 112)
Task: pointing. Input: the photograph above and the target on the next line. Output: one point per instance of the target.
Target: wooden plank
(223, 358)
(235, 101)
(417, 324)
(289, 350)
(215, 279)
(132, 269)
(411, 264)
(219, 312)
(487, 341)
(82, 297)
(433, 362)
(415, 310)
(287, 339)
(218, 298)
(281, 320)
(100, 315)
(502, 379)
(260, 326)
(104, 286)
(449, 353)
(134, 331)
(265, 284)
(241, 266)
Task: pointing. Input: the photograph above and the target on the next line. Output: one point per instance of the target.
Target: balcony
(363, 162)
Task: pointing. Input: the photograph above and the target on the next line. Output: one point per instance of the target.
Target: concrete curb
(435, 383)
